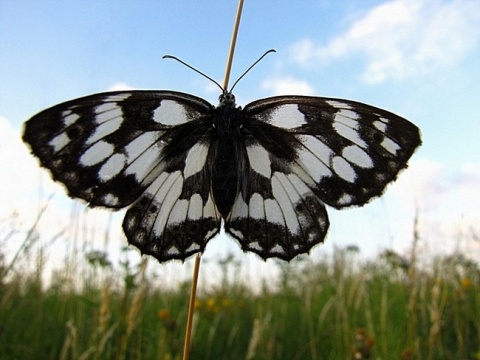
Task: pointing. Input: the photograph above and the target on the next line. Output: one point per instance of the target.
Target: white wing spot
(298, 184)
(391, 146)
(105, 128)
(172, 251)
(240, 208)
(111, 199)
(193, 247)
(347, 117)
(107, 111)
(287, 116)
(343, 169)
(273, 212)
(347, 128)
(112, 167)
(380, 125)
(345, 199)
(210, 210)
(257, 209)
(277, 249)
(314, 158)
(195, 161)
(259, 160)
(195, 209)
(170, 113)
(179, 212)
(317, 147)
(338, 104)
(254, 245)
(97, 153)
(143, 157)
(118, 97)
(358, 156)
(286, 204)
(59, 141)
(69, 117)
(137, 146)
(167, 193)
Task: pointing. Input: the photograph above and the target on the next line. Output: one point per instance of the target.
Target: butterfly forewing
(347, 152)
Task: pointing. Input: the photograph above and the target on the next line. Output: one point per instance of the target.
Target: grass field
(391, 307)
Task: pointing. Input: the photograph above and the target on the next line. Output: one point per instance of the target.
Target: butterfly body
(228, 157)
(183, 166)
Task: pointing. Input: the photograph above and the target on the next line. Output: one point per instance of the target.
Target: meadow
(390, 307)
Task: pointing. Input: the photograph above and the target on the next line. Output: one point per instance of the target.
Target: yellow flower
(210, 303)
(466, 283)
(226, 303)
(163, 314)
(198, 304)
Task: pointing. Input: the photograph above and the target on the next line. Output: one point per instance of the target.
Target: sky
(417, 58)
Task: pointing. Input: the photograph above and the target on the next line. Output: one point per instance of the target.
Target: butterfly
(182, 166)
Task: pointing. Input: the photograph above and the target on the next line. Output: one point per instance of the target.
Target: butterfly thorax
(229, 154)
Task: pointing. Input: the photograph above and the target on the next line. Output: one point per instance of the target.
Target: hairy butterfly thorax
(182, 167)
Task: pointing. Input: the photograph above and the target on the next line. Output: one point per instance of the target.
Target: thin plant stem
(196, 268)
(191, 307)
(231, 52)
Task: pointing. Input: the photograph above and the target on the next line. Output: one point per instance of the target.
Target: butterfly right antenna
(251, 66)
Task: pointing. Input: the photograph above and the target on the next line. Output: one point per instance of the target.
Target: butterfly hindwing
(277, 216)
(140, 147)
(173, 218)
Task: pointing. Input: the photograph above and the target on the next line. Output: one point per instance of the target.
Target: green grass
(340, 308)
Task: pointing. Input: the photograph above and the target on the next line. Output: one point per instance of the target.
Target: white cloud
(27, 189)
(402, 38)
(446, 198)
(120, 86)
(287, 86)
(19, 171)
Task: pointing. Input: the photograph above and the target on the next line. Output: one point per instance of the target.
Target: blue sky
(417, 58)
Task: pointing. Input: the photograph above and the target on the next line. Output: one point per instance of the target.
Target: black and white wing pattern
(307, 151)
(181, 165)
(145, 150)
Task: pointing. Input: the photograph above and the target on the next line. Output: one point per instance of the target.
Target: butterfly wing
(147, 149)
(306, 151)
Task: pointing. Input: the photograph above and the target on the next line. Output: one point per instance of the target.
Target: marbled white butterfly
(181, 165)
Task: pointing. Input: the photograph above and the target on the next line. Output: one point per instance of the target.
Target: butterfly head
(227, 99)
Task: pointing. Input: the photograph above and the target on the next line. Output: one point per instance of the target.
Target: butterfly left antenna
(191, 67)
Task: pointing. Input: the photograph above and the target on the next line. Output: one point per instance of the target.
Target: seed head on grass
(364, 345)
